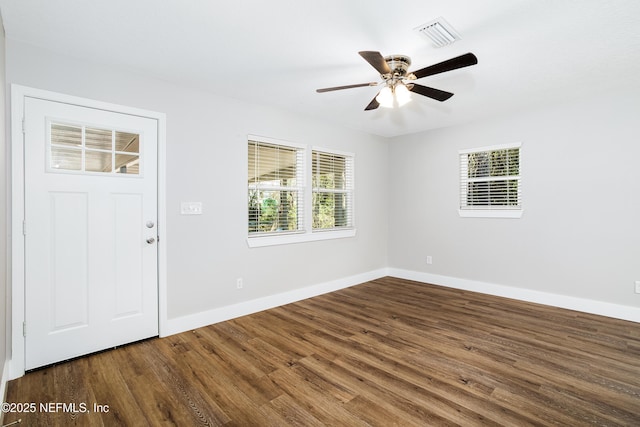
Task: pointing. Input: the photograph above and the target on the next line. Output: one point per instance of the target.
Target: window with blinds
(490, 181)
(275, 188)
(332, 190)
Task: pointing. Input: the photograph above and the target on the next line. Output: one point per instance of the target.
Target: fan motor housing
(399, 64)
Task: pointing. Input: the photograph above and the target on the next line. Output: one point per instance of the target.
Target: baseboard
(209, 317)
(197, 320)
(615, 311)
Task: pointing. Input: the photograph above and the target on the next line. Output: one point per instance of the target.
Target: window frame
(348, 191)
(305, 233)
(299, 187)
(495, 211)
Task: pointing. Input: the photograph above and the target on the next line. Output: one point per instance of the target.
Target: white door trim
(17, 297)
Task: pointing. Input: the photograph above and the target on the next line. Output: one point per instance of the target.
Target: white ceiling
(277, 52)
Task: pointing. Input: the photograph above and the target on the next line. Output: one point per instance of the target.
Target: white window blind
(332, 190)
(275, 188)
(490, 179)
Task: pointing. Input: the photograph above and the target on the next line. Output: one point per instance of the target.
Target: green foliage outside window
(272, 211)
(330, 208)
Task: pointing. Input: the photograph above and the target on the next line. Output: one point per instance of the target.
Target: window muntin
(275, 188)
(332, 190)
(490, 179)
(86, 149)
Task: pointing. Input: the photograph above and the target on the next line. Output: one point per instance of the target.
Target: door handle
(150, 240)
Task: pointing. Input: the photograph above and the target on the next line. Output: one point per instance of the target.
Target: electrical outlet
(637, 286)
(429, 260)
(239, 283)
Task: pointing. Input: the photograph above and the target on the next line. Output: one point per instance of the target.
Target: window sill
(286, 239)
(490, 213)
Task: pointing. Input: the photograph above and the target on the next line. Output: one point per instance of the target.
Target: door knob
(150, 224)
(150, 240)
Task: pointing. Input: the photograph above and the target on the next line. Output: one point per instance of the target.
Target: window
(490, 182)
(332, 182)
(84, 149)
(282, 208)
(276, 188)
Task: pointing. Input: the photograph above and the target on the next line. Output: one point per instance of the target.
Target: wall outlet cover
(191, 208)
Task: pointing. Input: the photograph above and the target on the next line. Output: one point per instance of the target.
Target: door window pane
(126, 163)
(94, 150)
(98, 161)
(127, 142)
(66, 159)
(98, 138)
(66, 135)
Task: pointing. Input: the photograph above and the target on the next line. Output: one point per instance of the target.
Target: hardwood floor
(387, 352)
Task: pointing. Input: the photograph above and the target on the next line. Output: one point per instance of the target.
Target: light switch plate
(191, 208)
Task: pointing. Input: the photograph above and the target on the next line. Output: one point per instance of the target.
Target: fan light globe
(385, 97)
(402, 94)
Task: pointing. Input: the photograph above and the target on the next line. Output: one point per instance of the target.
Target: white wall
(206, 161)
(579, 235)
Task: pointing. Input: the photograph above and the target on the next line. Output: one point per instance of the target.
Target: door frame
(17, 288)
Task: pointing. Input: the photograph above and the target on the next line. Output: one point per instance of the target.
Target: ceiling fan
(398, 82)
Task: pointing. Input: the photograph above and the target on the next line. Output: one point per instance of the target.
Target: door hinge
(23, 125)
(24, 228)
(24, 329)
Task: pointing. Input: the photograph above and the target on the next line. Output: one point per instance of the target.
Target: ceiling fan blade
(329, 89)
(376, 60)
(451, 64)
(373, 104)
(437, 94)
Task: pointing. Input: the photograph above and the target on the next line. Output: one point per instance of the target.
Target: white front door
(91, 278)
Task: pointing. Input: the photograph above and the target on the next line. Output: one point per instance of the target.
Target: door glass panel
(66, 158)
(90, 149)
(128, 142)
(66, 135)
(129, 164)
(98, 138)
(97, 161)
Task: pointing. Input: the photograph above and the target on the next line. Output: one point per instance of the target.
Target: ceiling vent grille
(439, 31)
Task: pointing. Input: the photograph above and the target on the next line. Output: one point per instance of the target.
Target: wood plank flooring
(389, 352)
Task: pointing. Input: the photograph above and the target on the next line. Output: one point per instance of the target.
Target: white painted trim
(198, 320)
(584, 305)
(257, 241)
(490, 213)
(17, 239)
(491, 148)
(162, 225)
(3, 384)
(18, 94)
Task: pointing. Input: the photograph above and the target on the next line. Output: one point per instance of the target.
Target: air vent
(439, 31)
